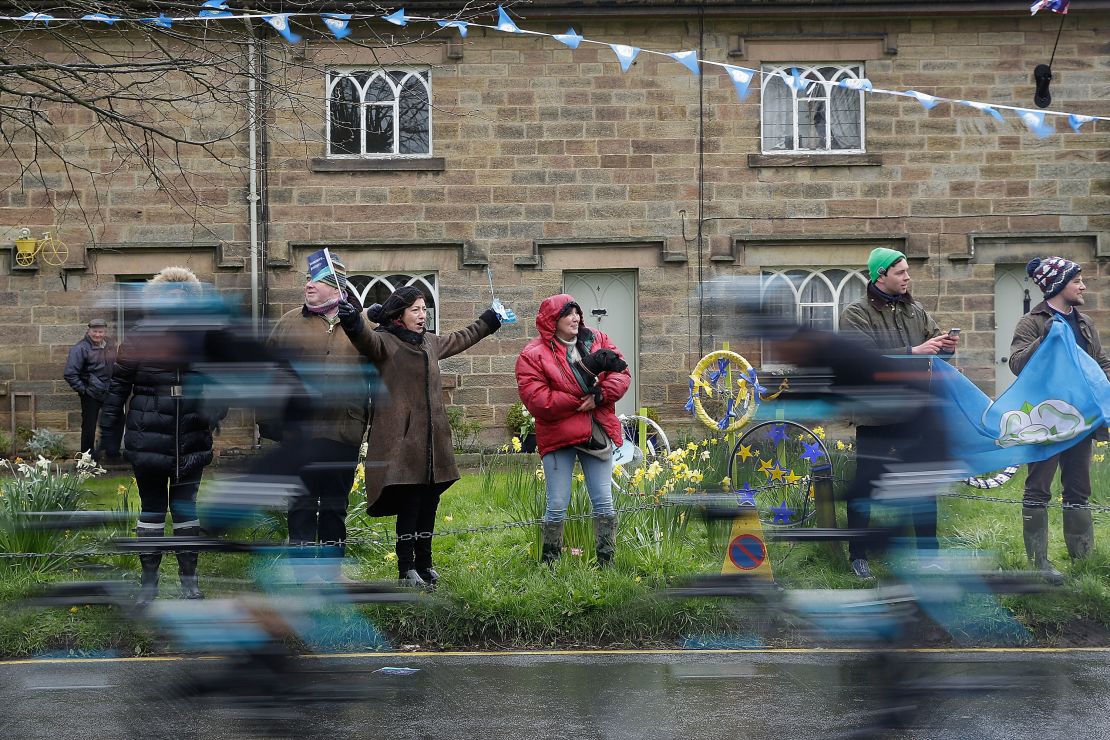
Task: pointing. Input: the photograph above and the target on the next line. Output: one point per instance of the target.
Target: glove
(491, 319)
(348, 316)
(604, 360)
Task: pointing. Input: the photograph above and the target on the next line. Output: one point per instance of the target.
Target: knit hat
(325, 266)
(882, 258)
(571, 306)
(394, 305)
(1051, 274)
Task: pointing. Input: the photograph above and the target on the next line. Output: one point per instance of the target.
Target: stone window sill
(431, 164)
(815, 160)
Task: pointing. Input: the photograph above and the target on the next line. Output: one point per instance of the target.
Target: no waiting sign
(747, 552)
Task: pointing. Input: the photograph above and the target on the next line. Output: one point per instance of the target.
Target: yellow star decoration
(776, 473)
(765, 466)
(792, 478)
(745, 452)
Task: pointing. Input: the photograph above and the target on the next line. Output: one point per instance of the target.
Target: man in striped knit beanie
(1061, 282)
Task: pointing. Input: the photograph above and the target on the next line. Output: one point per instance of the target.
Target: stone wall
(549, 159)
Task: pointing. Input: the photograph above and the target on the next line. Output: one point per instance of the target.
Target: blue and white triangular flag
(853, 83)
(1076, 121)
(688, 59)
(101, 17)
(504, 22)
(397, 19)
(280, 22)
(741, 78)
(1034, 120)
(796, 81)
(214, 9)
(570, 38)
(461, 25)
(41, 17)
(928, 102)
(983, 107)
(337, 23)
(162, 21)
(625, 54)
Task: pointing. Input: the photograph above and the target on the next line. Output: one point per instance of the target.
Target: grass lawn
(493, 593)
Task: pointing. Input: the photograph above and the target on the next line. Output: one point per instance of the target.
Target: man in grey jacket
(89, 372)
(1063, 288)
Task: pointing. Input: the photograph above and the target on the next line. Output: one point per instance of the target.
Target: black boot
(411, 579)
(150, 562)
(1079, 532)
(430, 576)
(187, 565)
(552, 541)
(1034, 520)
(605, 531)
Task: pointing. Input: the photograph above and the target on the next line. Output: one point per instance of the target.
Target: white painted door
(1014, 293)
(609, 301)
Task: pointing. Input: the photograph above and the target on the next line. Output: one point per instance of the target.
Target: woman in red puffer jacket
(569, 378)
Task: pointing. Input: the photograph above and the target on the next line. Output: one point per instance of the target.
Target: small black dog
(604, 360)
(595, 363)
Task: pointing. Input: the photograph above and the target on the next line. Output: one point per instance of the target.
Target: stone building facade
(553, 169)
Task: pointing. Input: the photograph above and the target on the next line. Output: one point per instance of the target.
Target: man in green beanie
(891, 321)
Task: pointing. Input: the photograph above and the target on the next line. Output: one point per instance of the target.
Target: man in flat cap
(89, 372)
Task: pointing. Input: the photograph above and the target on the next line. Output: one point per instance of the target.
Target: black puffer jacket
(166, 432)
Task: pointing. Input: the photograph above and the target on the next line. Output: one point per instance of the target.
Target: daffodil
(705, 455)
(580, 477)
(819, 432)
(726, 483)
(695, 476)
(391, 556)
(448, 518)
(517, 446)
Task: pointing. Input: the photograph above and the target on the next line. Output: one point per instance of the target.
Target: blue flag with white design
(504, 22)
(928, 102)
(571, 38)
(214, 9)
(1034, 120)
(337, 23)
(688, 59)
(280, 23)
(625, 55)
(1060, 397)
(741, 79)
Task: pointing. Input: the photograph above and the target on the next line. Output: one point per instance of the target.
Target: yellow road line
(582, 653)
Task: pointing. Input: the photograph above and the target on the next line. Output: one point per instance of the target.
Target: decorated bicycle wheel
(776, 466)
(996, 480)
(54, 251)
(724, 391)
(654, 447)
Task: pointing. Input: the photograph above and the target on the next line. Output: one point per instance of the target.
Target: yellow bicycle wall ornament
(52, 251)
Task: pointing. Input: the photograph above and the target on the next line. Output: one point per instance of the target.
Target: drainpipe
(252, 156)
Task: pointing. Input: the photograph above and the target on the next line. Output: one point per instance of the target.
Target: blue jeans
(558, 467)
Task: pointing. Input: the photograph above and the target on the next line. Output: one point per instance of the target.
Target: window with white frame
(813, 108)
(375, 288)
(812, 297)
(378, 113)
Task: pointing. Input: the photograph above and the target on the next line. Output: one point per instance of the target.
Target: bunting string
(338, 24)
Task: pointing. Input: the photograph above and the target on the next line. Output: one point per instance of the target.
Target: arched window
(812, 108)
(379, 113)
(813, 297)
(375, 288)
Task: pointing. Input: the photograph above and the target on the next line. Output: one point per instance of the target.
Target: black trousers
(1075, 476)
(327, 469)
(159, 493)
(90, 414)
(415, 507)
(876, 448)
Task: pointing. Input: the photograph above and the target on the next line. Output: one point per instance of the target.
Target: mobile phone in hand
(953, 333)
